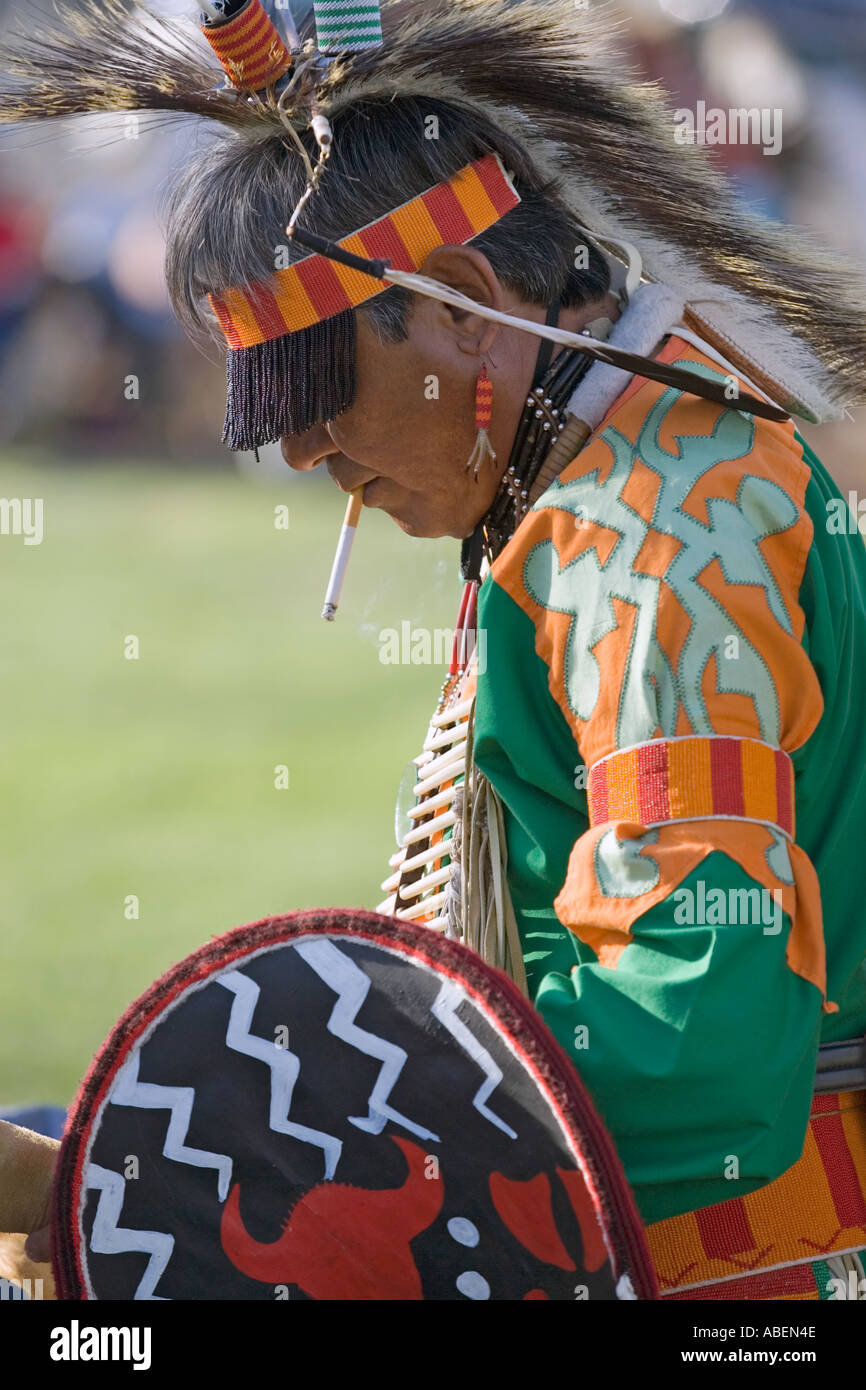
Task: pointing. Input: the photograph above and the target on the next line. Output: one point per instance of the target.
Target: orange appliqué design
(661, 572)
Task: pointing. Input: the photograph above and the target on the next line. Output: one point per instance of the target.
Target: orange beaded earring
(483, 450)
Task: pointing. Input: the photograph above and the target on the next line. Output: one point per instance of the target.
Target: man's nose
(306, 451)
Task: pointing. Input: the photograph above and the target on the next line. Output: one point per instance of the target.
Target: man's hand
(27, 1163)
(37, 1246)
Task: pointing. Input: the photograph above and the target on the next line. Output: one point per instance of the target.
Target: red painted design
(527, 1212)
(342, 1242)
(594, 1249)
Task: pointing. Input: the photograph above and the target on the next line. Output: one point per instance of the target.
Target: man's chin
(406, 517)
(421, 529)
(407, 512)
(411, 527)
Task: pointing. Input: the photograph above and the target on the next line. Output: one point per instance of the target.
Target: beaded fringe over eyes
(290, 384)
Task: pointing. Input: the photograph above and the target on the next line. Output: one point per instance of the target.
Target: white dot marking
(464, 1231)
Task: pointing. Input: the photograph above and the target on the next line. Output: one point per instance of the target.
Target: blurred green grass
(155, 776)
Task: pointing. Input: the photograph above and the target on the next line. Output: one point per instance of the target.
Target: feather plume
(114, 55)
(552, 79)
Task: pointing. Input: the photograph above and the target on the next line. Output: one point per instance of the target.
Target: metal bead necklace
(543, 419)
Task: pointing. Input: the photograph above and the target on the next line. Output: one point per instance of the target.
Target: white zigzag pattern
(444, 1008)
(348, 981)
(284, 1068)
(107, 1238)
(128, 1090)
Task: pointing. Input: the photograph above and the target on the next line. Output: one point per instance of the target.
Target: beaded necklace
(542, 422)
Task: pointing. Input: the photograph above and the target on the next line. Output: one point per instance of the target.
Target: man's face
(411, 428)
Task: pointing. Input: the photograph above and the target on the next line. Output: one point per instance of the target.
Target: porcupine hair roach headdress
(531, 87)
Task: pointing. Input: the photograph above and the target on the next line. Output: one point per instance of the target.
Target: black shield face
(337, 1106)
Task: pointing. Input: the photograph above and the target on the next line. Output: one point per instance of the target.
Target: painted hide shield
(333, 1105)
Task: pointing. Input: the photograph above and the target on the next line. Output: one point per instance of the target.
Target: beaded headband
(316, 288)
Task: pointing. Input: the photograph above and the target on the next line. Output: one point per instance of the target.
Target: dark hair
(227, 217)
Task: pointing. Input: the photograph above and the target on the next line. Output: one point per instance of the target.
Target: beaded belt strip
(694, 778)
(317, 288)
(815, 1209)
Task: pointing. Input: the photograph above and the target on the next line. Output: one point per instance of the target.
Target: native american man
(655, 817)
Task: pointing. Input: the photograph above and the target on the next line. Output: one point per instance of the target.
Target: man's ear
(465, 269)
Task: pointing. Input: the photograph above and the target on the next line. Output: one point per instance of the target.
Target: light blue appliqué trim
(620, 869)
(584, 589)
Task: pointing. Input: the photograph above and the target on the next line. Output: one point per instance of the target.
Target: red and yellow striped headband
(316, 288)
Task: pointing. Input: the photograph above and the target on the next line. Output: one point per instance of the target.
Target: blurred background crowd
(82, 299)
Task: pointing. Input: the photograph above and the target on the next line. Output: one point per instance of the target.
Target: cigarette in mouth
(341, 559)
